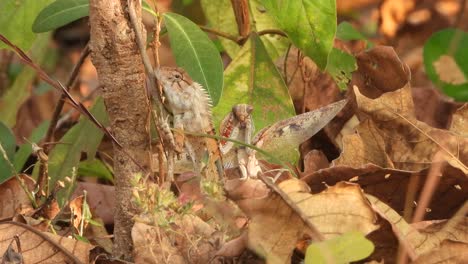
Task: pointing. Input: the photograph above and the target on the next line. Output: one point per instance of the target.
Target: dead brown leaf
(380, 70)
(460, 121)
(447, 252)
(13, 198)
(338, 209)
(409, 143)
(416, 242)
(390, 185)
(39, 247)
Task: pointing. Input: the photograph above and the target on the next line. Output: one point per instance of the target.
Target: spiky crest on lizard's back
(184, 96)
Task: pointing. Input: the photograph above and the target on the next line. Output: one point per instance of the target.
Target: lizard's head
(173, 77)
(242, 112)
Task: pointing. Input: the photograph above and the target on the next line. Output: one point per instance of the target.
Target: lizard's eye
(177, 76)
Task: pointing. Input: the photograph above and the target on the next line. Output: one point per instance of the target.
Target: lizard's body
(190, 106)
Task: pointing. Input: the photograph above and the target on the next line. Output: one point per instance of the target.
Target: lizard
(238, 125)
(190, 106)
(280, 138)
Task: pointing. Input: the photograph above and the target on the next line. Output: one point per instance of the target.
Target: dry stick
(221, 34)
(432, 180)
(160, 148)
(153, 81)
(241, 12)
(75, 104)
(41, 179)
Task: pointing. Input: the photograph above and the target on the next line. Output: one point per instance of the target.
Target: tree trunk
(121, 74)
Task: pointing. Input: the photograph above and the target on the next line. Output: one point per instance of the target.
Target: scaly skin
(238, 125)
(190, 106)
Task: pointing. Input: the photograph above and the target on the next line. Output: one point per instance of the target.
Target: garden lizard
(190, 106)
(238, 125)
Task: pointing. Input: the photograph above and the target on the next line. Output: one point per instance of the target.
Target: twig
(153, 80)
(41, 179)
(75, 104)
(221, 34)
(241, 12)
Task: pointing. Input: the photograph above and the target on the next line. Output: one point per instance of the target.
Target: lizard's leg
(248, 135)
(178, 135)
(242, 159)
(193, 156)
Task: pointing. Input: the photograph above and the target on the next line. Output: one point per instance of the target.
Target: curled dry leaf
(416, 242)
(275, 227)
(380, 70)
(13, 198)
(39, 247)
(410, 144)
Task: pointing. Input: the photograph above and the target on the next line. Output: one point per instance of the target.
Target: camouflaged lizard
(238, 125)
(190, 106)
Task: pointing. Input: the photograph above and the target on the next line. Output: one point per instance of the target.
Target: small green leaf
(96, 168)
(8, 142)
(16, 19)
(346, 31)
(446, 62)
(352, 246)
(252, 78)
(82, 137)
(340, 67)
(60, 13)
(21, 156)
(310, 24)
(196, 53)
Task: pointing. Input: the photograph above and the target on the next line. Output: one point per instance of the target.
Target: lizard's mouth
(243, 124)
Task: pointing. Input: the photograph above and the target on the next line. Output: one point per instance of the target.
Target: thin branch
(221, 34)
(41, 180)
(74, 103)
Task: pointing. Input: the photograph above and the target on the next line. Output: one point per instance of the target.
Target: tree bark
(115, 55)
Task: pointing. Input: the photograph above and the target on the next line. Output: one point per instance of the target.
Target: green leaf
(220, 16)
(19, 91)
(96, 168)
(196, 53)
(310, 24)
(8, 142)
(16, 19)
(446, 62)
(21, 156)
(82, 137)
(252, 78)
(275, 45)
(352, 246)
(346, 31)
(60, 13)
(340, 67)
